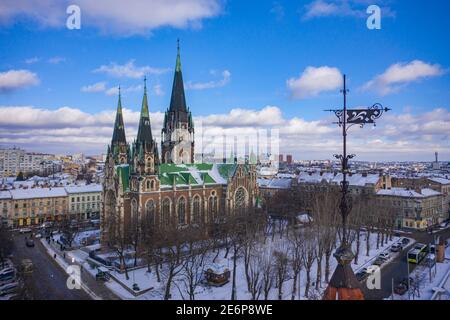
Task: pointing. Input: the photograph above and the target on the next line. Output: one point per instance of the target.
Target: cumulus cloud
(16, 79)
(314, 81)
(226, 77)
(405, 136)
(400, 74)
(96, 87)
(129, 70)
(342, 8)
(122, 17)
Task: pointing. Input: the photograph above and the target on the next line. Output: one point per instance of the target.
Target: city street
(48, 280)
(397, 269)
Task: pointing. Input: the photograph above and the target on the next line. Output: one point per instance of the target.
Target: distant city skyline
(277, 68)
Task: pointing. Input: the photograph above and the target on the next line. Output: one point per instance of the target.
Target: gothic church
(139, 183)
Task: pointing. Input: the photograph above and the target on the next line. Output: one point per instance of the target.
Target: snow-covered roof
(34, 193)
(403, 192)
(216, 268)
(356, 179)
(275, 183)
(84, 188)
(5, 195)
(440, 180)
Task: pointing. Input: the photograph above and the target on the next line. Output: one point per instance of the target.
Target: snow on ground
(422, 273)
(147, 280)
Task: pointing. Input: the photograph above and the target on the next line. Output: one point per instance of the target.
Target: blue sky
(235, 55)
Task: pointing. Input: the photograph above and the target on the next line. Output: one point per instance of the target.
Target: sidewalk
(97, 290)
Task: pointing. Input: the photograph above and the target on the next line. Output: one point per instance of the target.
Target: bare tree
(281, 260)
(296, 259)
(308, 256)
(256, 269)
(194, 263)
(267, 267)
(173, 249)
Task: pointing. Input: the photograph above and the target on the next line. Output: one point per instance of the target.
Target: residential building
(85, 201)
(415, 209)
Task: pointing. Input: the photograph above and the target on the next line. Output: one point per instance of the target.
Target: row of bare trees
(267, 249)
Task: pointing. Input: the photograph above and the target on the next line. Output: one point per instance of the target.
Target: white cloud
(117, 16)
(397, 136)
(343, 8)
(400, 74)
(314, 81)
(129, 70)
(226, 78)
(16, 79)
(114, 91)
(56, 60)
(96, 87)
(32, 60)
(277, 10)
(158, 90)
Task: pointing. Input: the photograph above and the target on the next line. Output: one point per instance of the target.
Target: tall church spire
(178, 100)
(145, 131)
(119, 128)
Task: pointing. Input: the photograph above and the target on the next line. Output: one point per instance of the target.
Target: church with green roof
(170, 188)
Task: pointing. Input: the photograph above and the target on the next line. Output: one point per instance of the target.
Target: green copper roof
(123, 171)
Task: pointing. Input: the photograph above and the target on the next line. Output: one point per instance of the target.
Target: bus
(418, 253)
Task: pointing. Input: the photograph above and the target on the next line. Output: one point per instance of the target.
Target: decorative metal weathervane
(346, 119)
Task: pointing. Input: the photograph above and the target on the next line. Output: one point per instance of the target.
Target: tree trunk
(319, 272)
(308, 281)
(327, 266)
(233, 289)
(294, 284)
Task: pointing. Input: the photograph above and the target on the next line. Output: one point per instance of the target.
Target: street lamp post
(346, 119)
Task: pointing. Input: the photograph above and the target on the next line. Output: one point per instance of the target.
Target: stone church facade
(169, 189)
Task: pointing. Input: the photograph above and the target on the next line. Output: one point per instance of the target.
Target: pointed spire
(178, 63)
(145, 130)
(178, 100)
(119, 128)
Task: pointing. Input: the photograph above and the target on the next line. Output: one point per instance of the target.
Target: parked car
(379, 261)
(102, 274)
(38, 235)
(401, 288)
(9, 288)
(384, 255)
(29, 243)
(7, 273)
(405, 241)
(360, 276)
(25, 230)
(370, 269)
(26, 266)
(396, 247)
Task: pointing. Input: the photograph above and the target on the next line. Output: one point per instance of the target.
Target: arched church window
(165, 219)
(196, 210)
(181, 211)
(240, 201)
(212, 207)
(150, 211)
